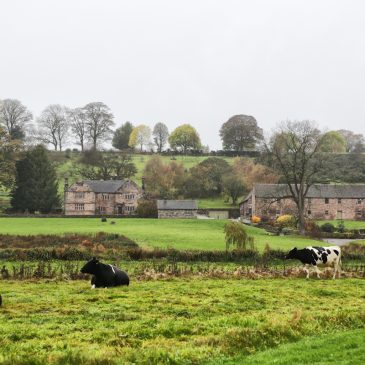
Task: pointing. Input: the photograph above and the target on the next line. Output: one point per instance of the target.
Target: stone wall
(177, 213)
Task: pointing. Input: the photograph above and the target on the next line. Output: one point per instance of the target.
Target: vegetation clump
(327, 227)
(236, 235)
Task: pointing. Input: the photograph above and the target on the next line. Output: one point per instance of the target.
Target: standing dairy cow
(104, 275)
(318, 256)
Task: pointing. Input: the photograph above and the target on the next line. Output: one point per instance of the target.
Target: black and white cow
(104, 275)
(318, 256)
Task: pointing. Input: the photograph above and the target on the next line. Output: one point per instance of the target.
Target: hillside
(67, 164)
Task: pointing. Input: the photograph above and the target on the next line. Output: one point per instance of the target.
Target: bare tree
(160, 136)
(14, 116)
(294, 150)
(78, 126)
(99, 120)
(54, 125)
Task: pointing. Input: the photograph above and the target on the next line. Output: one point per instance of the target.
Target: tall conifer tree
(36, 183)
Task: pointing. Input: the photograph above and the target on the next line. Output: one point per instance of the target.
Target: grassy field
(177, 233)
(338, 348)
(183, 321)
(348, 224)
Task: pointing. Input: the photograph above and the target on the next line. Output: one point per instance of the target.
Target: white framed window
(105, 196)
(129, 196)
(129, 208)
(359, 201)
(79, 206)
(101, 210)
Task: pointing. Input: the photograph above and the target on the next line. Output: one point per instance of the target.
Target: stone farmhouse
(177, 208)
(323, 201)
(98, 197)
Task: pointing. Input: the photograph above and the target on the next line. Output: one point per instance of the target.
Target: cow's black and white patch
(318, 256)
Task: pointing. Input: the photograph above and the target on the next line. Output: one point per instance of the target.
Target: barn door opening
(339, 214)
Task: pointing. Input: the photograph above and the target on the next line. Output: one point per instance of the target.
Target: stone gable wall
(71, 199)
(177, 213)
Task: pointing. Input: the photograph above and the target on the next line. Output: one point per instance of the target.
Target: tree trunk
(301, 218)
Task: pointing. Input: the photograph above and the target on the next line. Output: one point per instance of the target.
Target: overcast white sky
(189, 61)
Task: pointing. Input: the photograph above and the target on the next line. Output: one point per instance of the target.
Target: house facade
(98, 197)
(323, 201)
(177, 208)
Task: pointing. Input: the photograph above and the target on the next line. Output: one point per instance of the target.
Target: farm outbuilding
(177, 208)
(323, 201)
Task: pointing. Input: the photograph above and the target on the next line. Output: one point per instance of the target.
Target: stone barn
(177, 208)
(323, 201)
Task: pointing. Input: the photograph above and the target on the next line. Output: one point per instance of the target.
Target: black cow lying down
(318, 256)
(104, 275)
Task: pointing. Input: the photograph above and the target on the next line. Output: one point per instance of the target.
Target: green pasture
(183, 321)
(214, 203)
(338, 348)
(348, 224)
(202, 234)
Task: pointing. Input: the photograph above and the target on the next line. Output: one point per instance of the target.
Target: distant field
(183, 321)
(214, 203)
(64, 165)
(177, 233)
(348, 224)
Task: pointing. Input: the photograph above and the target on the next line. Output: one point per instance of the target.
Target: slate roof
(104, 186)
(177, 205)
(315, 191)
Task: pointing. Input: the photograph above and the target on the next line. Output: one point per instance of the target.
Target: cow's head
(90, 267)
(292, 254)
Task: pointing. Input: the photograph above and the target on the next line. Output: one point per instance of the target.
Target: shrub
(236, 235)
(327, 227)
(312, 229)
(147, 209)
(285, 220)
(255, 219)
(341, 227)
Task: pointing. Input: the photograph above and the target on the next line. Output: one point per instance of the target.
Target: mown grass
(348, 224)
(190, 321)
(176, 233)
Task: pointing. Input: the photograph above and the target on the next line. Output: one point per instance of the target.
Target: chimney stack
(66, 184)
